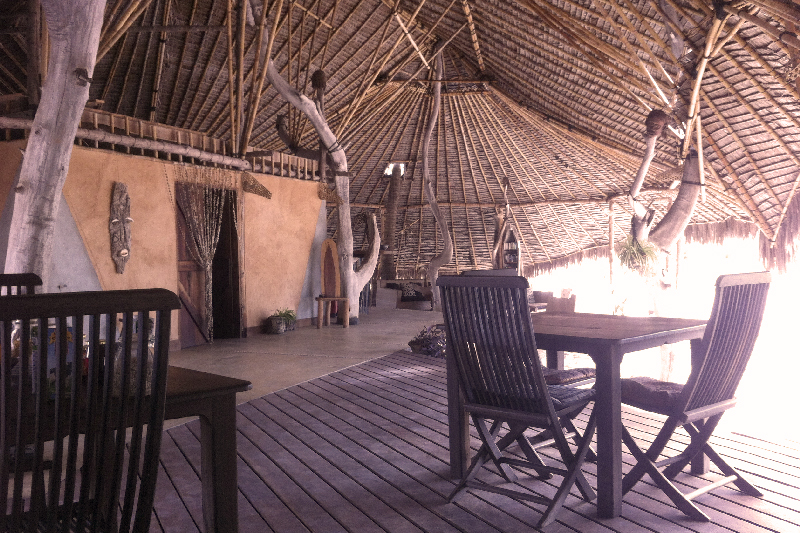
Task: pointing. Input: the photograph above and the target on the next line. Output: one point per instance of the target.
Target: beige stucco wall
(278, 232)
(87, 190)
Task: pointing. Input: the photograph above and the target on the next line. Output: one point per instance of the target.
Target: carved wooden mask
(119, 226)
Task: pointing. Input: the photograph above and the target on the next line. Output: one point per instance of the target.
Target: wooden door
(191, 290)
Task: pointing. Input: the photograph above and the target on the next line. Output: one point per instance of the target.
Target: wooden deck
(365, 449)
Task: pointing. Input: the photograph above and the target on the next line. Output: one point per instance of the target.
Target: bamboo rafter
(473, 35)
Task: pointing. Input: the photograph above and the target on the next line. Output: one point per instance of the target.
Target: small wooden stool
(323, 309)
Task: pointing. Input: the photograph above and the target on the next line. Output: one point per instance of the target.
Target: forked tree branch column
(74, 30)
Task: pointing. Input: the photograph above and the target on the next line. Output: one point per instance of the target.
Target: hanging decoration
(119, 226)
(251, 184)
(201, 196)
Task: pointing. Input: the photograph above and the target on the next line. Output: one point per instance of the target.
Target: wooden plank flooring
(365, 449)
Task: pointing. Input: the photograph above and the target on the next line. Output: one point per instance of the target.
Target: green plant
(286, 314)
(636, 255)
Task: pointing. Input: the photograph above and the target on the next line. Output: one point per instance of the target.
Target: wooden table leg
(609, 432)
(555, 359)
(458, 423)
(218, 465)
(320, 308)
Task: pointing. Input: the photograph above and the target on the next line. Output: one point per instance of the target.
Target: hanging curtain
(201, 196)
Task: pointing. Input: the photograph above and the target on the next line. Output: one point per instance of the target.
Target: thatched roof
(547, 95)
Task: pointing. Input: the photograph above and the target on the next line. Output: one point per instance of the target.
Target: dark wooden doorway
(225, 289)
(225, 268)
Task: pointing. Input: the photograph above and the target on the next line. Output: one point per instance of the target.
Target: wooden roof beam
(402, 86)
(473, 35)
(162, 43)
(785, 37)
(556, 25)
(110, 35)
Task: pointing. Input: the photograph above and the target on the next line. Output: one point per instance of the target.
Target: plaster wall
(279, 233)
(279, 237)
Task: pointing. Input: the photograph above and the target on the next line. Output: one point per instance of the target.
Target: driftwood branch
(353, 281)
(446, 255)
(74, 28)
(671, 227)
(655, 124)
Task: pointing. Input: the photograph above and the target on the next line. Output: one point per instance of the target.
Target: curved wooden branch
(446, 254)
(655, 124)
(352, 281)
(671, 227)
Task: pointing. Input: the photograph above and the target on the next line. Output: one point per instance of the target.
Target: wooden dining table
(606, 339)
(212, 398)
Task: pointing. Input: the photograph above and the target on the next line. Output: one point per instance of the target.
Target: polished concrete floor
(274, 362)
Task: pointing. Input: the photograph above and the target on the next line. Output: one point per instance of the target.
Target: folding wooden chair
(489, 333)
(699, 404)
(97, 405)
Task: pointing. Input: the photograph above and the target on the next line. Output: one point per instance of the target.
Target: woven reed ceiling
(549, 96)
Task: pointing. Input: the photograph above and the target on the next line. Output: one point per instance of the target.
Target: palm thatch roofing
(547, 96)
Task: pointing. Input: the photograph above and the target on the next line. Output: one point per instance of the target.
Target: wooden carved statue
(119, 226)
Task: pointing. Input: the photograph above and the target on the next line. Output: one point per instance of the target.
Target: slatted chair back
(490, 338)
(11, 284)
(489, 334)
(82, 408)
(729, 339)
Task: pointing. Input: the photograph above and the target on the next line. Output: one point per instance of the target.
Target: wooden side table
(323, 309)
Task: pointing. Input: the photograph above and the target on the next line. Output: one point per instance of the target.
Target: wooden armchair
(98, 402)
(15, 284)
(698, 406)
(490, 337)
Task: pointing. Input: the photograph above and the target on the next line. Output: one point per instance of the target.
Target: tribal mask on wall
(119, 226)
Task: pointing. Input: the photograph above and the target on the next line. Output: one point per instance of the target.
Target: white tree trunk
(352, 281)
(447, 251)
(74, 29)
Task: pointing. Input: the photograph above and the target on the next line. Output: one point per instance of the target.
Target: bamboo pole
(786, 37)
(601, 48)
(473, 35)
(611, 243)
(369, 78)
(162, 43)
(126, 20)
(711, 40)
(377, 109)
(243, 5)
(700, 157)
(643, 43)
(786, 207)
(182, 61)
(231, 76)
(257, 88)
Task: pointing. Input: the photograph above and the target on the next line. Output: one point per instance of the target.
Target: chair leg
(741, 483)
(574, 475)
(495, 448)
(699, 434)
(591, 455)
(644, 465)
(643, 459)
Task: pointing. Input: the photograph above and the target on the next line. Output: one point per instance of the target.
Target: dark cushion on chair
(650, 394)
(411, 294)
(564, 396)
(567, 376)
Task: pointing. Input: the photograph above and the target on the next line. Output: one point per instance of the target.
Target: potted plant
(281, 320)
